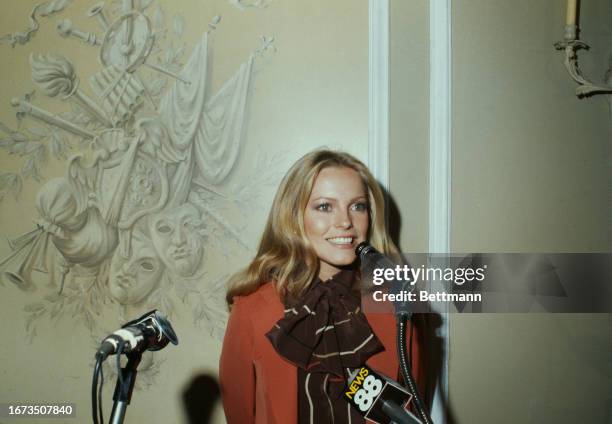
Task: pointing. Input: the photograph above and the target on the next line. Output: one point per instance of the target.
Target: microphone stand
(123, 392)
(402, 314)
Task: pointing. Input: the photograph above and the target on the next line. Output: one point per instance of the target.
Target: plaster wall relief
(131, 225)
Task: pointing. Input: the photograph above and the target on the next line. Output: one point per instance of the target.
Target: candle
(570, 17)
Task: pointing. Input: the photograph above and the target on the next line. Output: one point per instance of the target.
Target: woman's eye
(360, 207)
(324, 207)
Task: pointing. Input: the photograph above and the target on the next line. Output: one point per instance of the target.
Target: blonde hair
(284, 255)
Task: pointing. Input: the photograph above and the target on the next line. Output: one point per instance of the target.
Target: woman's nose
(343, 220)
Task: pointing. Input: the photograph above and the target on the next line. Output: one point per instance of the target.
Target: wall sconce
(571, 44)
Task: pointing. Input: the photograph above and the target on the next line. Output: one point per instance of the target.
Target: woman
(297, 304)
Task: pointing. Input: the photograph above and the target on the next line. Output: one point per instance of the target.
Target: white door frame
(440, 161)
(439, 140)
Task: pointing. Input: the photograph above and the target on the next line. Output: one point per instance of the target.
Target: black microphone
(372, 257)
(372, 260)
(379, 398)
(152, 331)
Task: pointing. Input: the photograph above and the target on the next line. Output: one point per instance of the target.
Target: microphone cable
(96, 392)
(404, 361)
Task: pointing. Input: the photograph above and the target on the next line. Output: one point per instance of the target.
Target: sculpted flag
(207, 129)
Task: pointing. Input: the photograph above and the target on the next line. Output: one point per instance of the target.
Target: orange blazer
(259, 386)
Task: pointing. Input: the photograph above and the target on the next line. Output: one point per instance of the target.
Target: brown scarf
(325, 336)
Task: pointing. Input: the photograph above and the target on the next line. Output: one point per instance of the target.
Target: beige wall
(529, 161)
(311, 92)
(531, 173)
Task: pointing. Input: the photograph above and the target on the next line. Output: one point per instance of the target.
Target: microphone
(378, 398)
(152, 331)
(372, 260)
(372, 257)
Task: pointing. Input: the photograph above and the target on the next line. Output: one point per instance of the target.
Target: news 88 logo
(366, 395)
(364, 388)
(369, 392)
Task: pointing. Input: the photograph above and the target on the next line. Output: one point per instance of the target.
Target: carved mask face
(176, 238)
(134, 278)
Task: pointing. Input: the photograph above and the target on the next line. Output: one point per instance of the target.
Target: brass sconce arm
(571, 45)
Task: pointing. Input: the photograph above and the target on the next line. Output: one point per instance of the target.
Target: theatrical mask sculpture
(177, 237)
(133, 279)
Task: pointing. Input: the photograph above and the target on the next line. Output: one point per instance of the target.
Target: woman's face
(336, 219)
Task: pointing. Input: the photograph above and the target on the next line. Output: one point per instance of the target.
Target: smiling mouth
(341, 241)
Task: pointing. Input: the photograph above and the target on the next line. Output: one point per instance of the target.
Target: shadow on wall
(200, 398)
(427, 326)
